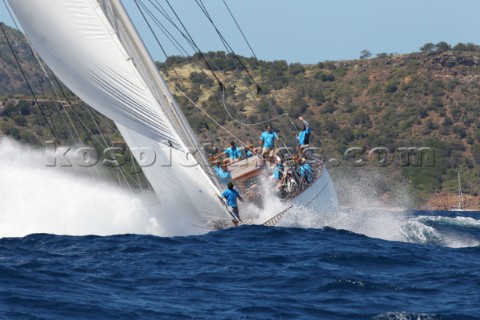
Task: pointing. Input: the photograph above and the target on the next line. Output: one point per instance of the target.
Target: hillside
(12, 80)
(419, 100)
(415, 100)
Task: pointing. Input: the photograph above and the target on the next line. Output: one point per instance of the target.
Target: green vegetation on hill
(12, 80)
(427, 99)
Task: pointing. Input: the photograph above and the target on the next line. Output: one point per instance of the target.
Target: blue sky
(309, 31)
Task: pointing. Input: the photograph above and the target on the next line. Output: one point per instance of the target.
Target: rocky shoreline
(452, 201)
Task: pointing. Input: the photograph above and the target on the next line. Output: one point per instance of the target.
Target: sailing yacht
(461, 204)
(93, 47)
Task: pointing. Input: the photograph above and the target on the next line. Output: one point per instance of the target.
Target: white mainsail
(94, 49)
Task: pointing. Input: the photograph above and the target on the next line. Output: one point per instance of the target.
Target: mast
(157, 85)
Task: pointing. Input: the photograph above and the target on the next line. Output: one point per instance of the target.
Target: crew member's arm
(305, 123)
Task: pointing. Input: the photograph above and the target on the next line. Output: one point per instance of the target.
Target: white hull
(320, 196)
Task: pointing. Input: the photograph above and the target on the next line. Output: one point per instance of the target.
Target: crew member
(267, 141)
(305, 170)
(250, 151)
(233, 152)
(304, 134)
(279, 168)
(218, 166)
(232, 195)
(224, 174)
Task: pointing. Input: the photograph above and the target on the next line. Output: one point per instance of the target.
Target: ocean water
(249, 272)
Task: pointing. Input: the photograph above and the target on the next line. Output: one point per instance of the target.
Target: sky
(310, 31)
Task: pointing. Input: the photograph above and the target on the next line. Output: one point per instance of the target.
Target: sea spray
(41, 199)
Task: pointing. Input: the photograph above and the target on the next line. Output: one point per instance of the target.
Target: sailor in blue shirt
(304, 135)
(305, 170)
(250, 151)
(218, 167)
(278, 172)
(224, 174)
(232, 195)
(267, 141)
(233, 152)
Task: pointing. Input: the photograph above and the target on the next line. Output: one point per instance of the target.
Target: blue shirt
(224, 176)
(231, 196)
(306, 171)
(233, 152)
(217, 169)
(304, 136)
(268, 139)
(249, 153)
(277, 174)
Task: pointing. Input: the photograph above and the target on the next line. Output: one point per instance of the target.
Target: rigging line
(198, 49)
(248, 124)
(134, 168)
(207, 14)
(28, 84)
(11, 15)
(229, 51)
(85, 128)
(240, 29)
(156, 39)
(190, 41)
(93, 137)
(204, 9)
(149, 25)
(162, 11)
(37, 59)
(100, 117)
(165, 31)
(58, 97)
(206, 113)
(35, 56)
(187, 36)
(229, 48)
(318, 194)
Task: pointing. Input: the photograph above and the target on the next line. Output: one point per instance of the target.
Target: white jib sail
(77, 41)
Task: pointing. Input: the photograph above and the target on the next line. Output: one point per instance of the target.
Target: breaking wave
(40, 199)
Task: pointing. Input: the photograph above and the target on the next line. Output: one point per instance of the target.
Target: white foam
(40, 199)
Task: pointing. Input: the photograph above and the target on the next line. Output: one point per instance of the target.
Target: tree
(460, 47)
(24, 107)
(365, 54)
(295, 69)
(442, 47)
(428, 47)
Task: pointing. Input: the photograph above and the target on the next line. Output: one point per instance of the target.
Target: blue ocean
(251, 272)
